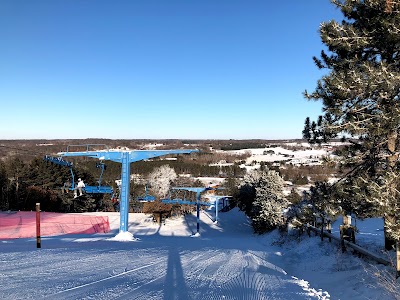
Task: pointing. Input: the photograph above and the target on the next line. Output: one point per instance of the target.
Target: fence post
(322, 228)
(329, 229)
(38, 241)
(398, 259)
(341, 228)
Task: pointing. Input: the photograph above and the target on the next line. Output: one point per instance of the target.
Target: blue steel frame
(216, 199)
(198, 191)
(125, 157)
(146, 197)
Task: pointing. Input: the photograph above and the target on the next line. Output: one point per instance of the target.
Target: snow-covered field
(226, 262)
(283, 152)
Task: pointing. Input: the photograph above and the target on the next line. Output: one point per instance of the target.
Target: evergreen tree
(231, 188)
(246, 195)
(15, 170)
(307, 129)
(3, 187)
(294, 196)
(387, 193)
(360, 96)
(321, 202)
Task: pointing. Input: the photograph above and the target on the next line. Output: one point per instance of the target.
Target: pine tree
(307, 129)
(361, 95)
(3, 187)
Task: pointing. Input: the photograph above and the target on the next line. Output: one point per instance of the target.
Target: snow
(123, 236)
(281, 153)
(207, 181)
(225, 261)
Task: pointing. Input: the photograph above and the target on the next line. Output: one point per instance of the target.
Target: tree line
(24, 182)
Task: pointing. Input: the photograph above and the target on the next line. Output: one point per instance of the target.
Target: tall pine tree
(361, 97)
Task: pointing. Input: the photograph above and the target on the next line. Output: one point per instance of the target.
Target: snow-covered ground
(227, 261)
(271, 154)
(296, 154)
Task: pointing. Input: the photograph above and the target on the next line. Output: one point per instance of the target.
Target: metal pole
(125, 187)
(216, 209)
(38, 241)
(398, 259)
(198, 212)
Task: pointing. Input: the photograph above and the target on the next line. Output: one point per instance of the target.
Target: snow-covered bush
(261, 198)
(319, 203)
(267, 211)
(299, 214)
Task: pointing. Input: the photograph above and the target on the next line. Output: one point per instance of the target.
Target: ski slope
(226, 262)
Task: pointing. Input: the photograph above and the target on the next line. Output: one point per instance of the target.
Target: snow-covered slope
(226, 262)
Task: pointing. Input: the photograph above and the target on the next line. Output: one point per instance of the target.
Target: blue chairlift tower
(216, 202)
(125, 157)
(198, 191)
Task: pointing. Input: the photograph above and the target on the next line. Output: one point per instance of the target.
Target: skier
(79, 187)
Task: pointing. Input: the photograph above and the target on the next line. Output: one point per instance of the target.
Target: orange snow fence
(22, 224)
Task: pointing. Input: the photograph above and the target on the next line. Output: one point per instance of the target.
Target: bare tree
(160, 180)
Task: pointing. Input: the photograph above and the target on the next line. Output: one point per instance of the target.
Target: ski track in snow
(60, 273)
(211, 274)
(154, 267)
(108, 278)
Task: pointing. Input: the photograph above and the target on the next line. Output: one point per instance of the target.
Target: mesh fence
(23, 224)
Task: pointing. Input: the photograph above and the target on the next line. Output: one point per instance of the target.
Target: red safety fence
(22, 224)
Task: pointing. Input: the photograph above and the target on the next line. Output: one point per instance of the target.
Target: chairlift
(146, 197)
(88, 189)
(183, 201)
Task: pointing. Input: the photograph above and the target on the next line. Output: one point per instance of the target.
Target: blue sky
(159, 69)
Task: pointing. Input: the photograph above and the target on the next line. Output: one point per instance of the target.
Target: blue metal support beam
(125, 188)
(216, 210)
(216, 199)
(125, 157)
(198, 191)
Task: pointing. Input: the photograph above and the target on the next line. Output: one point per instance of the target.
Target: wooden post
(329, 229)
(342, 244)
(322, 229)
(398, 259)
(353, 234)
(355, 247)
(390, 243)
(347, 220)
(315, 225)
(38, 241)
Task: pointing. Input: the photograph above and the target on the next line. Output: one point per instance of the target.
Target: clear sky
(159, 69)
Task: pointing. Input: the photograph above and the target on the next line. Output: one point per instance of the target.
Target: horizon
(170, 139)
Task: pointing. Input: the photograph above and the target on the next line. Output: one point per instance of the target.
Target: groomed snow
(225, 261)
